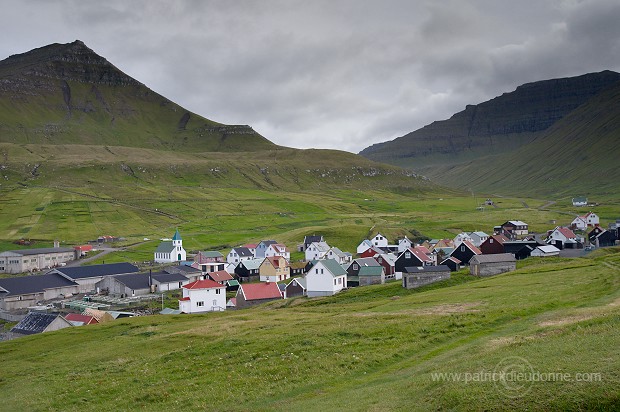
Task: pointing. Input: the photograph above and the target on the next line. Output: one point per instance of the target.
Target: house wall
(371, 280)
(88, 284)
(320, 282)
(293, 289)
(492, 268)
(212, 300)
(268, 273)
(57, 324)
(415, 280)
(11, 262)
(491, 247)
(167, 286)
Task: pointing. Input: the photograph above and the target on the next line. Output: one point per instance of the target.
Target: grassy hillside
(578, 155)
(373, 348)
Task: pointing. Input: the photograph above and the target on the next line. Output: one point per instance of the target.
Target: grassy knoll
(373, 348)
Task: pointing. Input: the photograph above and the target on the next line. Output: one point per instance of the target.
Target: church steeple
(176, 239)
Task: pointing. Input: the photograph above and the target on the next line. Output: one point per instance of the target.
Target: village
(66, 295)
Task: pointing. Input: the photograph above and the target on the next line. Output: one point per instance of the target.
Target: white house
(562, 234)
(203, 296)
(592, 219)
(579, 223)
(580, 201)
(338, 255)
(364, 246)
(316, 251)
(379, 240)
(170, 251)
(461, 237)
(326, 278)
(545, 251)
(278, 249)
(404, 244)
(478, 238)
(239, 254)
(589, 219)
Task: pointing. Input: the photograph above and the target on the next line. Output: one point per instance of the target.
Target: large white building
(170, 251)
(26, 260)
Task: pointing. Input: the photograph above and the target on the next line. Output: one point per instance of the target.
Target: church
(171, 250)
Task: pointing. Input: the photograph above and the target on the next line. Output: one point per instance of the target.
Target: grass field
(372, 348)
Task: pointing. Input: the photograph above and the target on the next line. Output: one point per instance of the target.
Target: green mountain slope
(577, 155)
(67, 94)
(373, 348)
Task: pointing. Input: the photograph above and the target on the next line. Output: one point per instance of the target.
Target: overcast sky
(340, 74)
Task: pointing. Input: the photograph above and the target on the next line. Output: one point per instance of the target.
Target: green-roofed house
(326, 278)
(170, 251)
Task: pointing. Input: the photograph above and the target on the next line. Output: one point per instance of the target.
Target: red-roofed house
(562, 237)
(278, 249)
(413, 257)
(274, 269)
(255, 293)
(582, 222)
(203, 296)
(77, 319)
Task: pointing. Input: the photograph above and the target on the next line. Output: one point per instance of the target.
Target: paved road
(104, 251)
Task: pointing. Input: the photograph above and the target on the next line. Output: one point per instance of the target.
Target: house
(191, 272)
(602, 237)
(232, 285)
(414, 256)
(478, 238)
(365, 271)
(317, 250)
(373, 251)
(248, 270)
(36, 322)
(298, 268)
(379, 240)
(520, 249)
(563, 237)
(491, 265)
(28, 260)
(77, 319)
(404, 244)
(592, 219)
(221, 276)
(465, 251)
(308, 240)
(240, 254)
(460, 238)
(165, 281)
(338, 255)
(88, 276)
(24, 291)
(388, 261)
(251, 294)
(325, 278)
(364, 246)
(261, 248)
(209, 261)
(579, 223)
(203, 296)
(274, 269)
(545, 251)
(414, 277)
(580, 201)
(170, 251)
(493, 245)
(252, 247)
(453, 263)
(296, 287)
(515, 228)
(277, 249)
(137, 284)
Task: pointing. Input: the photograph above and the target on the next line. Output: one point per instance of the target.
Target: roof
(232, 282)
(427, 269)
(166, 277)
(452, 259)
(495, 258)
(312, 239)
(243, 251)
(76, 317)
(168, 311)
(333, 267)
(232, 302)
(220, 276)
(369, 261)
(569, 234)
(371, 271)
(390, 258)
(548, 249)
(580, 199)
(298, 265)
(165, 247)
(417, 252)
(207, 255)
(36, 322)
(259, 291)
(177, 235)
(321, 246)
(83, 272)
(267, 243)
(185, 299)
(471, 247)
(22, 285)
(28, 252)
(282, 287)
(183, 269)
(498, 238)
(275, 261)
(252, 263)
(300, 281)
(134, 281)
(279, 248)
(204, 284)
(516, 223)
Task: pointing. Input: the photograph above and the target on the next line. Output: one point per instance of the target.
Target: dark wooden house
(493, 245)
(465, 251)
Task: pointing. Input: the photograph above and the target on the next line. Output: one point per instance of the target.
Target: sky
(330, 74)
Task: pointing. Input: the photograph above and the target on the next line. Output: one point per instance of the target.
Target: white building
(404, 244)
(326, 278)
(364, 246)
(26, 260)
(379, 241)
(316, 250)
(278, 249)
(239, 254)
(545, 251)
(203, 296)
(478, 238)
(462, 237)
(170, 251)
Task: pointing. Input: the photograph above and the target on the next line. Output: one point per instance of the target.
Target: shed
(491, 265)
(414, 277)
(545, 251)
(453, 263)
(36, 322)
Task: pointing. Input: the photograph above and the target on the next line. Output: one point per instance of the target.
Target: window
(490, 240)
(321, 271)
(407, 255)
(462, 248)
(334, 282)
(200, 304)
(218, 291)
(355, 267)
(340, 281)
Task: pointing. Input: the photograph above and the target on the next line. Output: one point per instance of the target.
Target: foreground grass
(373, 348)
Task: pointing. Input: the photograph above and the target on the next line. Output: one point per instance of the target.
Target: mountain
(533, 113)
(67, 94)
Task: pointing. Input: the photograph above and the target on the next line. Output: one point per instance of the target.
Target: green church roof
(177, 235)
